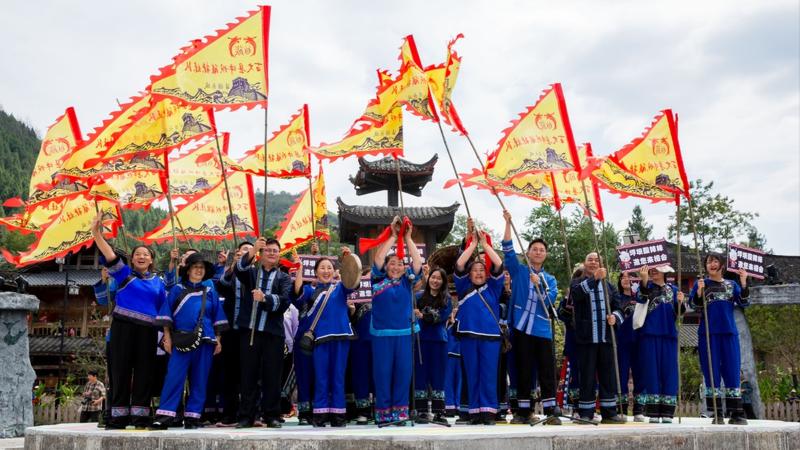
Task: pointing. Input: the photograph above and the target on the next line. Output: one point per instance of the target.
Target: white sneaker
(666, 420)
(654, 420)
(639, 418)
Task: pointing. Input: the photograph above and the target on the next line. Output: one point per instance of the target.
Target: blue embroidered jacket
(474, 318)
(333, 322)
(139, 297)
(182, 309)
(391, 303)
(721, 297)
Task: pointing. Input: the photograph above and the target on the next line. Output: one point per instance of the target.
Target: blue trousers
(197, 364)
(628, 359)
(481, 357)
(361, 372)
(430, 375)
(452, 384)
(659, 373)
(330, 364)
(726, 360)
(304, 376)
(391, 370)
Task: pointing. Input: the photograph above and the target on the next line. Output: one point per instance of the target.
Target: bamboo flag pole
(605, 295)
(174, 236)
(311, 202)
(264, 211)
(503, 206)
(566, 246)
(701, 270)
(227, 190)
(453, 164)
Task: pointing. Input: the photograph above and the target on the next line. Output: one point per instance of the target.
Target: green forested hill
(19, 147)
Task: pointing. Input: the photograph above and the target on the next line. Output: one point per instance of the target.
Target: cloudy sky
(730, 69)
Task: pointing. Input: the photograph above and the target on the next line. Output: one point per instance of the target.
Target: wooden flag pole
(174, 236)
(264, 211)
(605, 297)
(227, 190)
(701, 269)
(311, 201)
(452, 164)
(566, 246)
(503, 206)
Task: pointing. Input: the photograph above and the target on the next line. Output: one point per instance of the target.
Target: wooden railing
(54, 328)
(49, 413)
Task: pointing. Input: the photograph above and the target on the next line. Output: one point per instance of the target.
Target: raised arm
(462, 260)
(102, 244)
(507, 232)
(383, 249)
(416, 259)
(496, 260)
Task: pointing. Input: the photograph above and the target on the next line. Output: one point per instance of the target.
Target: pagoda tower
(432, 224)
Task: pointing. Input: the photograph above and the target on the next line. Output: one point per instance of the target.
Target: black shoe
(585, 421)
(191, 423)
(718, 420)
(519, 419)
(439, 418)
(422, 418)
(475, 419)
(552, 420)
(273, 423)
(162, 423)
(614, 420)
(245, 423)
(319, 420)
(115, 426)
(737, 420)
(338, 421)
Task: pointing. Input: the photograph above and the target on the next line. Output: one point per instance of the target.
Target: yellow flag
(162, 126)
(58, 143)
(287, 149)
(570, 187)
(612, 177)
(655, 157)
(540, 140)
(320, 202)
(368, 139)
(34, 217)
(207, 216)
(442, 80)
(195, 172)
(69, 231)
(97, 142)
(132, 189)
(296, 228)
(537, 187)
(226, 70)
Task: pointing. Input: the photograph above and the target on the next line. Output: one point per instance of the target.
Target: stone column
(749, 371)
(17, 375)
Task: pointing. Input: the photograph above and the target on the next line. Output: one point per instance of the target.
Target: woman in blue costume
(140, 294)
(332, 336)
(627, 353)
(658, 344)
(722, 296)
(181, 313)
(433, 310)
(391, 324)
(478, 327)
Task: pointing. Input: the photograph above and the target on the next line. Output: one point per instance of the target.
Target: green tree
(638, 225)
(716, 219)
(775, 332)
(543, 222)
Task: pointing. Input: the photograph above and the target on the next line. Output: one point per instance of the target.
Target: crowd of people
(246, 341)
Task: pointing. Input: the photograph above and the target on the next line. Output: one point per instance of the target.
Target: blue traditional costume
(452, 376)
(181, 312)
(628, 355)
(361, 361)
(480, 335)
(658, 351)
(430, 372)
(721, 297)
(331, 345)
(391, 343)
(132, 343)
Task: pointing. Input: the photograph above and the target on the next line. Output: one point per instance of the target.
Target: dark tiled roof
(688, 258)
(79, 277)
(51, 345)
(355, 220)
(382, 215)
(387, 165)
(788, 268)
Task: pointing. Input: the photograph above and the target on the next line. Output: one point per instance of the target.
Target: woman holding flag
(479, 285)
(139, 297)
(391, 322)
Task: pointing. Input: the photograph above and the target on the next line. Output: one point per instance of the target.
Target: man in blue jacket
(533, 293)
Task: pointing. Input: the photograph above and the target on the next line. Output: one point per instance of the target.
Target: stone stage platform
(693, 433)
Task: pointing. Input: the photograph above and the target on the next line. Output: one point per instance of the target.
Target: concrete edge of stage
(693, 433)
